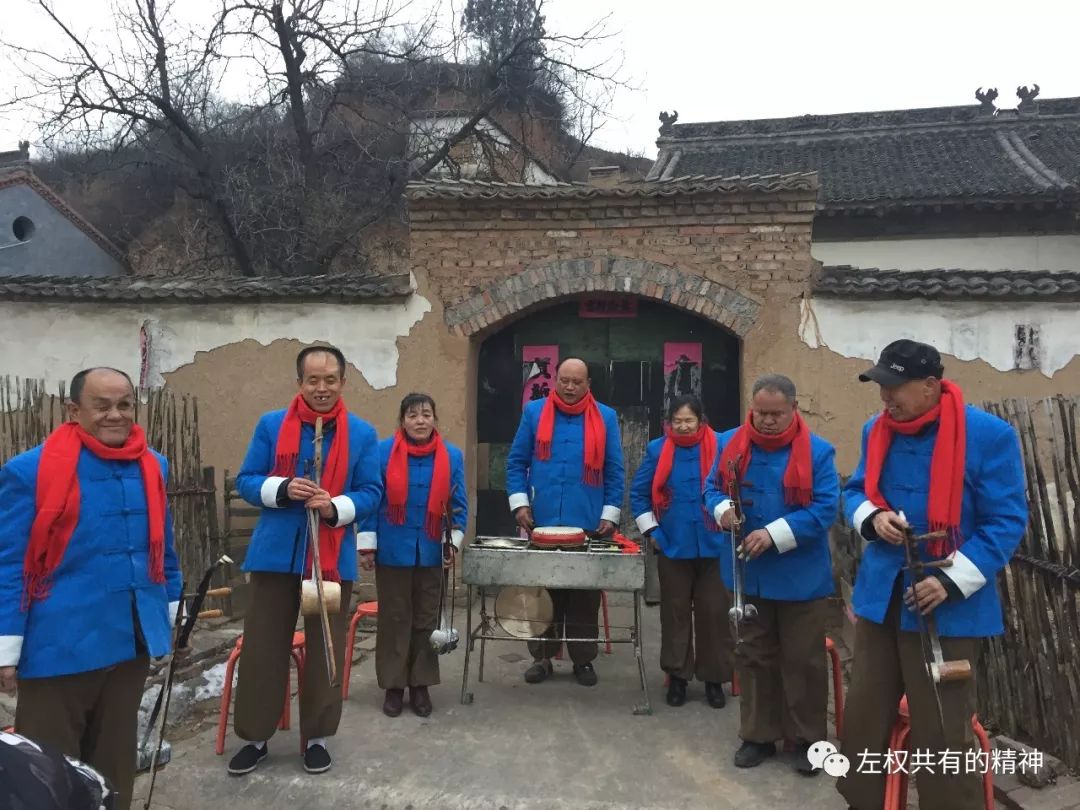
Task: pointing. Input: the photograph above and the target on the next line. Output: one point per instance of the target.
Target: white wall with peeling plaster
(1051, 252)
(54, 340)
(965, 330)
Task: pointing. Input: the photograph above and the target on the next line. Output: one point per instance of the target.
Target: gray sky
(740, 59)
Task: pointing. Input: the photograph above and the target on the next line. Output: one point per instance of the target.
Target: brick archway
(563, 277)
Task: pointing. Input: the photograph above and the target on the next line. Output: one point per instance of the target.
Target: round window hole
(23, 228)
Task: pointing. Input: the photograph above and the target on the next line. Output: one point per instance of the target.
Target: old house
(40, 234)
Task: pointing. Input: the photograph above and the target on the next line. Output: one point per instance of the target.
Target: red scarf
(334, 474)
(595, 433)
(946, 464)
(661, 492)
(57, 503)
(799, 475)
(397, 481)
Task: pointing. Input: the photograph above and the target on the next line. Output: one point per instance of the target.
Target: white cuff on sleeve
(10, 650)
(646, 521)
(518, 500)
(346, 510)
(965, 574)
(173, 608)
(269, 491)
(865, 510)
(611, 513)
(366, 541)
(456, 536)
(782, 535)
(722, 507)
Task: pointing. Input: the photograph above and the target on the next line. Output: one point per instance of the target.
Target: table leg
(466, 695)
(483, 633)
(645, 708)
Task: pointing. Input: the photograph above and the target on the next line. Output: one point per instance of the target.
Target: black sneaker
(714, 695)
(247, 759)
(539, 671)
(676, 691)
(317, 759)
(752, 754)
(585, 674)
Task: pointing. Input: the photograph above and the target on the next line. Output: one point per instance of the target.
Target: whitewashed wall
(967, 331)
(975, 253)
(54, 340)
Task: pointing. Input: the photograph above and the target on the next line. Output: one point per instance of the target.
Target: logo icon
(823, 754)
(897, 367)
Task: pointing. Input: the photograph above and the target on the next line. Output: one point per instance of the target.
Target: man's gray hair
(775, 384)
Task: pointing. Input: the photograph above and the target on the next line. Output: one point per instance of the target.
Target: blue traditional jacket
(101, 598)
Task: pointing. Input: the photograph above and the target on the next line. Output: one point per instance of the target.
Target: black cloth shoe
(585, 674)
(676, 691)
(539, 671)
(247, 759)
(714, 695)
(392, 704)
(802, 760)
(317, 759)
(752, 754)
(420, 700)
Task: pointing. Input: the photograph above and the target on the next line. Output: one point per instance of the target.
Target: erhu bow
(316, 564)
(181, 634)
(742, 610)
(937, 668)
(444, 638)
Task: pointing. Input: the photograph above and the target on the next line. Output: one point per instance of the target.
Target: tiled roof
(935, 156)
(1003, 285)
(204, 289)
(685, 184)
(26, 177)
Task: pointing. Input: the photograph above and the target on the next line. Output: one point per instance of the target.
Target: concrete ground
(553, 745)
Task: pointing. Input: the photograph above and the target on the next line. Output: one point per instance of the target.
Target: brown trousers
(408, 613)
(783, 673)
(91, 716)
(693, 619)
(577, 610)
(889, 663)
(264, 663)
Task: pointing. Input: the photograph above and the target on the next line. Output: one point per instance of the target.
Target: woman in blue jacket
(423, 478)
(666, 496)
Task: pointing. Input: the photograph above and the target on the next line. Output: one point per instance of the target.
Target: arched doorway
(626, 341)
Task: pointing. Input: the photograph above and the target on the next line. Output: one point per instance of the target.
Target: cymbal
(524, 612)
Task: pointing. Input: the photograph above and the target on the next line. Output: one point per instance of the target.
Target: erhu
(742, 610)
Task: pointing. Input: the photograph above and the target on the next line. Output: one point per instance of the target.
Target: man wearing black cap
(934, 464)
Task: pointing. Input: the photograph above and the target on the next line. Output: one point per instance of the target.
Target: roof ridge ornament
(986, 100)
(1027, 98)
(667, 121)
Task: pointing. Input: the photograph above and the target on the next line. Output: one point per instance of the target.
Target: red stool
(362, 610)
(896, 784)
(297, 653)
(837, 685)
(607, 627)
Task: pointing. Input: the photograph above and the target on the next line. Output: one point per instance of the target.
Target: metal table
(589, 568)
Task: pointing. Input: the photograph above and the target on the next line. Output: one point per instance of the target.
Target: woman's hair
(691, 401)
(413, 400)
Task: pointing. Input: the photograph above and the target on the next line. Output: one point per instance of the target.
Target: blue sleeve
(258, 461)
(614, 470)
(812, 522)
(460, 499)
(713, 494)
(16, 516)
(857, 506)
(174, 577)
(1001, 514)
(641, 485)
(366, 486)
(519, 459)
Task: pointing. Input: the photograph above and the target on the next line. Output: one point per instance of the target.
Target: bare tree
(325, 141)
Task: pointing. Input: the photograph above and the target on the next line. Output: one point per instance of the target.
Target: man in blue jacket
(90, 578)
(934, 464)
(565, 468)
(788, 477)
(276, 475)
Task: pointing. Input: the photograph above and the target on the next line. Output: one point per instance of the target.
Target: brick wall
(490, 252)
